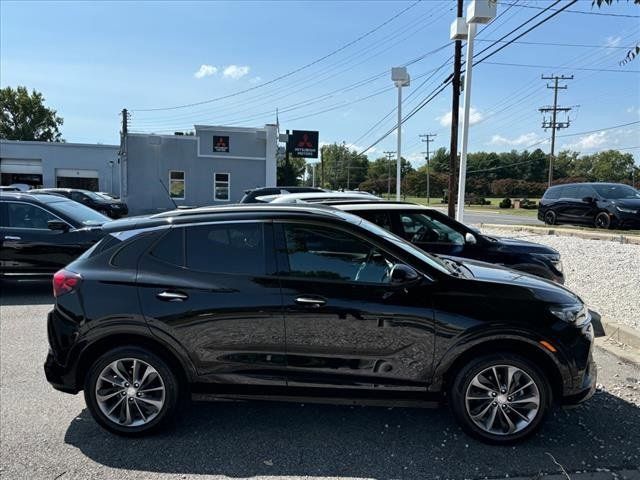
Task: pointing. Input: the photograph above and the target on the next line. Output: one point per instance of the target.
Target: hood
(633, 203)
(541, 288)
(515, 245)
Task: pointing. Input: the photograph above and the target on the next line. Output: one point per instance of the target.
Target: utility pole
(389, 155)
(554, 124)
(428, 138)
(122, 160)
(455, 109)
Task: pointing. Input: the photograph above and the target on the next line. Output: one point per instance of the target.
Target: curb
(567, 232)
(621, 333)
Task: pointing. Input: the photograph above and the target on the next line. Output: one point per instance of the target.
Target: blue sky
(92, 59)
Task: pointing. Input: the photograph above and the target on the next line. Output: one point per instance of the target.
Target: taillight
(65, 281)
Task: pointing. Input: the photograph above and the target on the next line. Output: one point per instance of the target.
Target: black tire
(172, 391)
(461, 384)
(550, 217)
(602, 220)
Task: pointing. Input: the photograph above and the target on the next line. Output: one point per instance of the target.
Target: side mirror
(470, 238)
(401, 273)
(58, 225)
(588, 199)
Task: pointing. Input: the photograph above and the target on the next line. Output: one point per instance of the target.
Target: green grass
(492, 207)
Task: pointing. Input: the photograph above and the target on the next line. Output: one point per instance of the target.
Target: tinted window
(382, 219)
(585, 191)
(78, 212)
(420, 228)
(170, 248)
(78, 197)
(325, 253)
(226, 248)
(570, 191)
(25, 215)
(553, 193)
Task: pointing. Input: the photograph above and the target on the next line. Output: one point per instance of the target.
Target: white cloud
(475, 116)
(205, 71)
(613, 41)
(588, 142)
(235, 71)
(524, 139)
(255, 80)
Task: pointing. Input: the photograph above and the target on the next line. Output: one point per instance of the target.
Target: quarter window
(24, 215)
(316, 252)
(236, 248)
(221, 186)
(176, 184)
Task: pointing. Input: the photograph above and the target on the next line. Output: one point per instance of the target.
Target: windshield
(403, 244)
(80, 213)
(95, 196)
(616, 192)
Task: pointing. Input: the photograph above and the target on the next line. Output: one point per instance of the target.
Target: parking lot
(50, 435)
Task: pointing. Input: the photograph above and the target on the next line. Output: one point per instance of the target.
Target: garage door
(77, 178)
(21, 171)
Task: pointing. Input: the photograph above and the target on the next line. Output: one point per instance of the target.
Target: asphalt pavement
(45, 434)
(476, 217)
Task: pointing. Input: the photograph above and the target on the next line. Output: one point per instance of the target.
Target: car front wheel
(550, 217)
(131, 391)
(500, 399)
(603, 220)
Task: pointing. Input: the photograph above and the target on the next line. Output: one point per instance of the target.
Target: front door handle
(314, 302)
(12, 237)
(169, 296)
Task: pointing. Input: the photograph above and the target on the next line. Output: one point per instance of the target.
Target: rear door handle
(12, 237)
(313, 302)
(169, 296)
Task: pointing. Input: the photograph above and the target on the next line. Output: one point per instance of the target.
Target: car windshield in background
(79, 212)
(430, 260)
(616, 192)
(95, 196)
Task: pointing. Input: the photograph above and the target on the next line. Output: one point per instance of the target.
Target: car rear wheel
(602, 220)
(550, 217)
(500, 399)
(131, 391)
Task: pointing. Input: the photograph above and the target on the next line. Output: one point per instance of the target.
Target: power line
(564, 68)
(599, 130)
(600, 14)
(554, 44)
(288, 74)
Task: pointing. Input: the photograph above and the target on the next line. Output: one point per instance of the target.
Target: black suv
(40, 234)
(436, 232)
(250, 196)
(603, 205)
(308, 302)
(107, 206)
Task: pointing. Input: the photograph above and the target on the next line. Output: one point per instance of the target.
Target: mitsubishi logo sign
(303, 143)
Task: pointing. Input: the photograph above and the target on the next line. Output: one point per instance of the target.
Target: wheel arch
(448, 368)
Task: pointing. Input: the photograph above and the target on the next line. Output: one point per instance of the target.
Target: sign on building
(221, 144)
(303, 143)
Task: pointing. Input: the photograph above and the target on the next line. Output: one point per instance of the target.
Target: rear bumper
(58, 376)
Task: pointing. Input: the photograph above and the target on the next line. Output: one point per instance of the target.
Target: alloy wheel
(130, 392)
(603, 220)
(502, 400)
(550, 218)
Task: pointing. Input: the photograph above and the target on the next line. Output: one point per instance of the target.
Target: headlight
(626, 210)
(554, 258)
(577, 315)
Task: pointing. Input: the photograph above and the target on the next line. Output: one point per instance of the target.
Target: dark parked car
(435, 232)
(603, 205)
(40, 234)
(298, 302)
(250, 196)
(107, 206)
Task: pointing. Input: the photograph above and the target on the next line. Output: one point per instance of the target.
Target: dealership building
(152, 173)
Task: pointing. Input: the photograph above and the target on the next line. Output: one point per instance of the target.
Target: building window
(222, 186)
(176, 184)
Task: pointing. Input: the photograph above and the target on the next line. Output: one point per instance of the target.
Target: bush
(505, 203)
(528, 204)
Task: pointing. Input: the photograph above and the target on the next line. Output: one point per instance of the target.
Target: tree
(635, 51)
(24, 117)
(343, 168)
(611, 166)
(290, 172)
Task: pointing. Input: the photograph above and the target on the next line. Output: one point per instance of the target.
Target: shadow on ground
(26, 292)
(252, 439)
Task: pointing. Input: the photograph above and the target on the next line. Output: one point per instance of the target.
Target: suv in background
(435, 232)
(250, 196)
(40, 234)
(603, 205)
(107, 206)
(298, 302)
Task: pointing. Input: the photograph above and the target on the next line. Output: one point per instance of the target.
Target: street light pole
(400, 78)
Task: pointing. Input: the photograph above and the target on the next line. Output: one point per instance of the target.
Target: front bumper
(587, 389)
(628, 220)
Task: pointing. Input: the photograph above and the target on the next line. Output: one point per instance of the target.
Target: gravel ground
(605, 274)
(45, 434)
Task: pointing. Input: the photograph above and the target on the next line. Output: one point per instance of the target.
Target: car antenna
(175, 205)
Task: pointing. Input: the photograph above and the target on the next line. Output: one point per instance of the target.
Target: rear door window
(170, 248)
(570, 191)
(27, 216)
(553, 193)
(231, 248)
